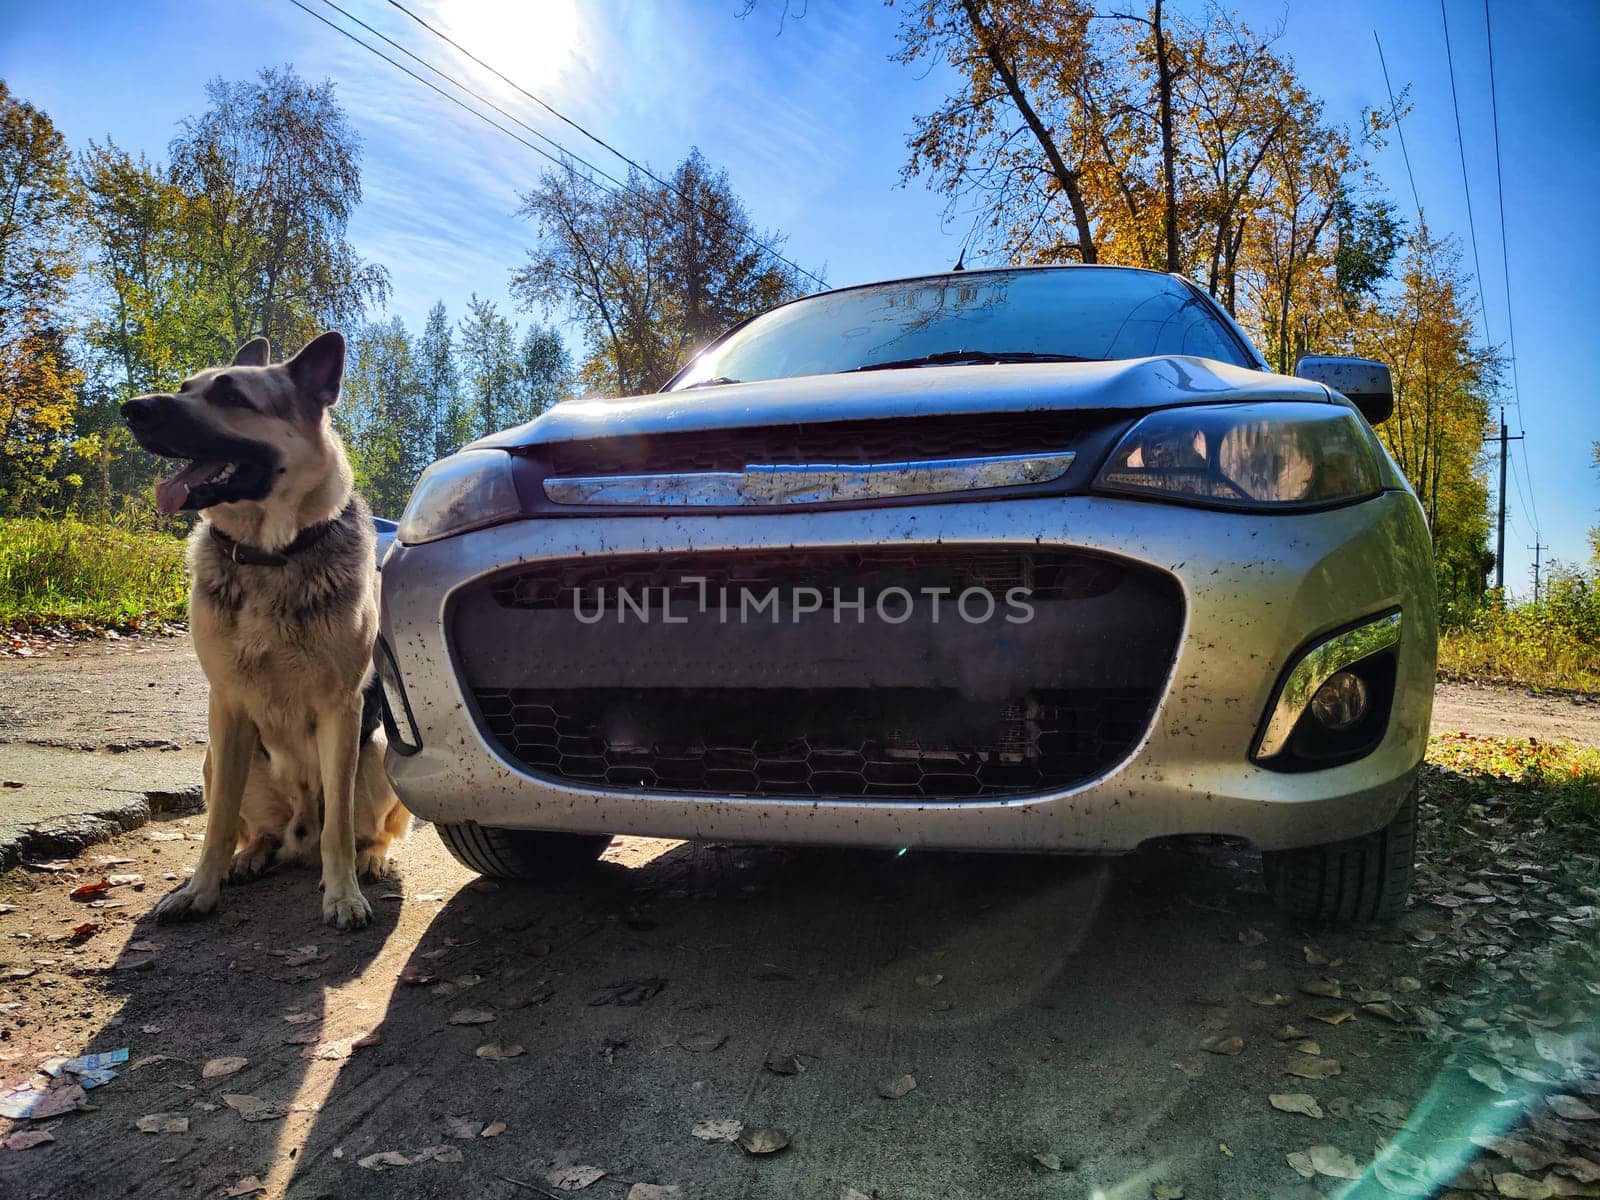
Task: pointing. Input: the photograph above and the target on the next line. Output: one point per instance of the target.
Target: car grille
(824, 705)
(722, 742)
(880, 441)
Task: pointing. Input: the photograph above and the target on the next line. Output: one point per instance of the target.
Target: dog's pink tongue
(171, 493)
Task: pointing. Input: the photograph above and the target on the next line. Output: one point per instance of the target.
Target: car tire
(520, 853)
(1359, 881)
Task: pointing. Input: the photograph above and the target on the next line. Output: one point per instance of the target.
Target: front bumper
(1256, 588)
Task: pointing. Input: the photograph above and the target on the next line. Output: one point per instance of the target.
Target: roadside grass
(65, 570)
(1553, 642)
(1546, 794)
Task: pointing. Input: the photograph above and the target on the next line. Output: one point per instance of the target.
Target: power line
(459, 103)
(1500, 193)
(593, 137)
(1461, 146)
(1505, 260)
(1394, 111)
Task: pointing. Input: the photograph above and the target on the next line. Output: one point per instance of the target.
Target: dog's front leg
(338, 744)
(233, 745)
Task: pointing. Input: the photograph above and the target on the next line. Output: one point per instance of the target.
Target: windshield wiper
(973, 357)
(717, 382)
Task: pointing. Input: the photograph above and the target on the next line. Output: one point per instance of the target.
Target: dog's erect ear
(254, 353)
(317, 371)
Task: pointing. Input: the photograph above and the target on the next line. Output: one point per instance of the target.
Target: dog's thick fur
(286, 643)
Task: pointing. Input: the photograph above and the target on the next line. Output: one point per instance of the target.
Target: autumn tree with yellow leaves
(38, 258)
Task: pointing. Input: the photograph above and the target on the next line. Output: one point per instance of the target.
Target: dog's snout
(139, 410)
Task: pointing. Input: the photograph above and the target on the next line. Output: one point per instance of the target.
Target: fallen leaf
(630, 994)
(383, 1160)
(785, 1064)
(1520, 1187)
(1307, 1046)
(1489, 1076)
(1391, 1114)
(896, 1087)
(718, 1130)
(254, 1108)
(463, 1127)
(1405, 983)
(1333, 1162)
(1224, 1044)
(1166, 1191)
(1301, 1162)
(655, 1191)
(1389, 1011)
(763, 1141)
(1050, 1162)
(163, 1123)
(1225, 1149)
(1267, 999)
(496, 1051)
(1316, 958)
(471, 1016)
(1328, 989)
(27, 1139)
(91, 891)
(1314, 1068)
(703, 1043)
(1296, 1102)
(575, 1179)
(1571, 1108)
(1333, 1016)
(493, 1129)
(929, 981)
(218, 1067)
(247, 1186)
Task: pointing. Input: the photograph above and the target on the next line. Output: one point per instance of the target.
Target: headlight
(465, 491)
(1255, 456)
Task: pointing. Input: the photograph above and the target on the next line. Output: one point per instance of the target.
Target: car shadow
(677, 984)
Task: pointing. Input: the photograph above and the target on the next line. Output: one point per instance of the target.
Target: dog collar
(253, 556)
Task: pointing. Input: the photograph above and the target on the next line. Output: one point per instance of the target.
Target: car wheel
(1361, 880)
(520, 853)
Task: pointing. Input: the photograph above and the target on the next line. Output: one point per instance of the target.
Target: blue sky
(810, 124)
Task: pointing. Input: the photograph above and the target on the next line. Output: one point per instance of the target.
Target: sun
(531, 41)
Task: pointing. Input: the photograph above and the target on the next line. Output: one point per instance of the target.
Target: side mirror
(1363, 381)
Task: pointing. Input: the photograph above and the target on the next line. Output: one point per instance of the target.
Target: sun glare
(531, 41)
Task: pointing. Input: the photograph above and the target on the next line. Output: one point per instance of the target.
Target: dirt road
(925, 1026)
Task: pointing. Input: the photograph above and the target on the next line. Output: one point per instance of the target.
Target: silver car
(1041, 560)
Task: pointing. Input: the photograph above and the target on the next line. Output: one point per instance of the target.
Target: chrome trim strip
(1315, 668)
(811, 483)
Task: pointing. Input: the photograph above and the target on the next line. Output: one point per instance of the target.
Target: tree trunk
(1169, 156)
(1066, 178)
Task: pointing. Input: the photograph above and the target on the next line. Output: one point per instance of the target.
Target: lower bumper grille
(684, 691)
(810, 742)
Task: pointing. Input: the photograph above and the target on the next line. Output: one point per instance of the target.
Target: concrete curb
(103, 818)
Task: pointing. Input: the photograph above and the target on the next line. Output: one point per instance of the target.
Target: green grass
(1550, 791)
(64, 570)
(1553, 643)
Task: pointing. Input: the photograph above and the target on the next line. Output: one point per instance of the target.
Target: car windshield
(1072, 314)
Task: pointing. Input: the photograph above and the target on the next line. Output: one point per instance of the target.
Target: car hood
(1140, 383)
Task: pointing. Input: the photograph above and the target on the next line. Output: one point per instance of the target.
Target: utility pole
(1500, 543)
(1537, 550)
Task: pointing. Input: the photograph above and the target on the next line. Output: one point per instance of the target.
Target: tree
(39, 241)
(489, 367)
(384, 416)
(274, 171)
(1594, 533)
(649, 271)
(439, 382)
(544, 371)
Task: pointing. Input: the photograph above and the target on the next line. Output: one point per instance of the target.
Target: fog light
(1341, 702)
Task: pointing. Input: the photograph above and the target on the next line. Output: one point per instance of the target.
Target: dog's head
(252, 432)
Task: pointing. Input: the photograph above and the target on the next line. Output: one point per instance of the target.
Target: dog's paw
(373, 866)
(185, 904)
(345, 910)
(254, 861)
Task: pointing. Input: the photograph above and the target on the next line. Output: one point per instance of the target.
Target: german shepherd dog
(283, 614)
